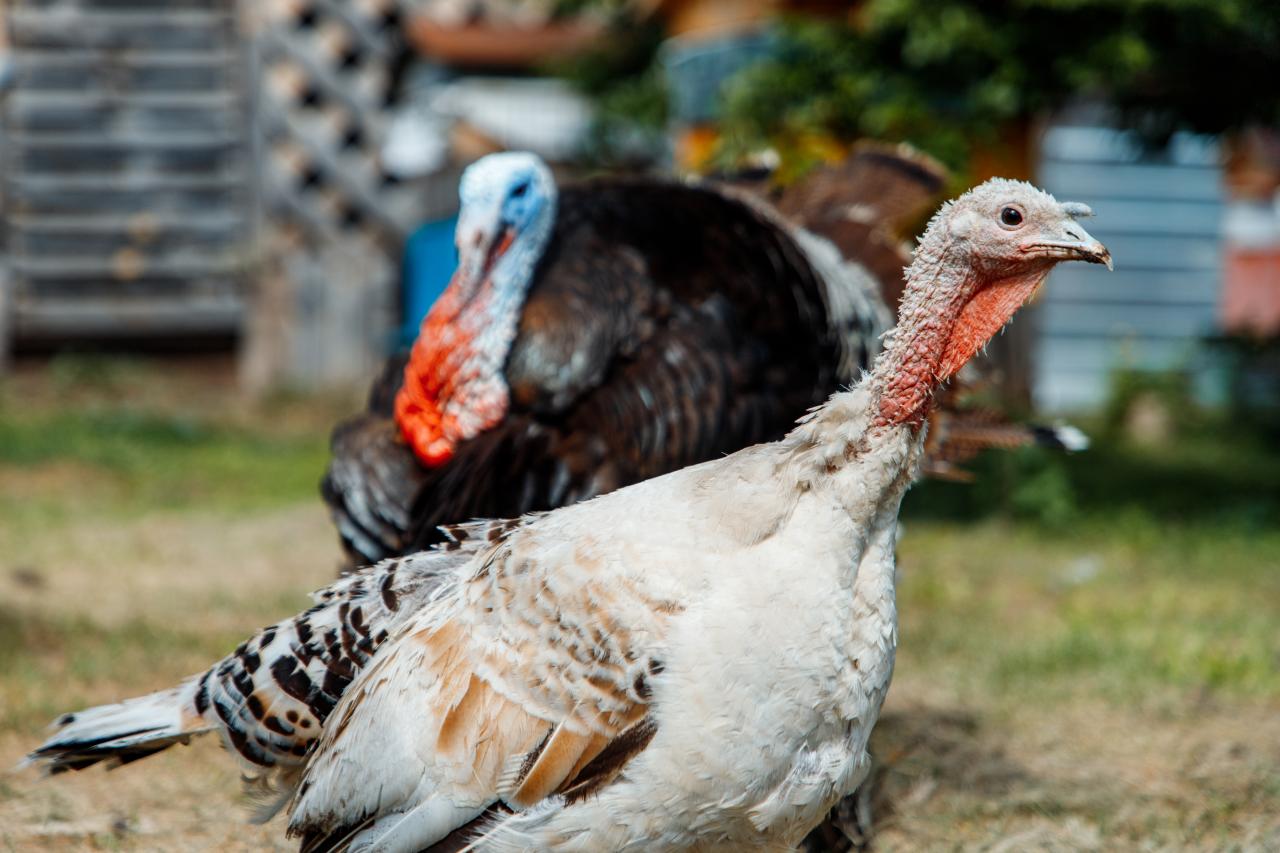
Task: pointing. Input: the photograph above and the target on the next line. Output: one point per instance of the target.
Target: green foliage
(1169, 389)
(1044, 495)
(1252, 374)
(611, 8)
(948, 74)
(1212, 470)
(624, 81)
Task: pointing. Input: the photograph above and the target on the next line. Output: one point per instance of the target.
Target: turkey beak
(1080, 246)
(1073, 243)
(480, 248)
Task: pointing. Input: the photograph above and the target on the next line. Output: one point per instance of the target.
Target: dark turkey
(593, 337)
(610, 331)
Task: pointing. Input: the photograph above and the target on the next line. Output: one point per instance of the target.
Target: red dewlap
(938, 352)
(439, 381)
(983, 316)
(430, 381)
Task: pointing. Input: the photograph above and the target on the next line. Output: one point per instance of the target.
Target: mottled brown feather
(606, 766)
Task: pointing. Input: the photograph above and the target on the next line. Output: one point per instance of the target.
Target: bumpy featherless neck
(981, 258)
(883, 415)
(908, 372)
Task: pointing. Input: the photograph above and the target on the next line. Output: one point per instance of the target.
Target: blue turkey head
(508, 206)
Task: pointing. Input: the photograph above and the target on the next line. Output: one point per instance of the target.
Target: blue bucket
(429, 261)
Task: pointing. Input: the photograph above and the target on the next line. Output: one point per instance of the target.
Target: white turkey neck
(880, 420)
(511, 279)
(905, 377)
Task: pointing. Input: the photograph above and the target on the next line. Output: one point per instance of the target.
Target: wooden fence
(127, 198)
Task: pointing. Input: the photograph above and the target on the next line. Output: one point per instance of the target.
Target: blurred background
(219, 217)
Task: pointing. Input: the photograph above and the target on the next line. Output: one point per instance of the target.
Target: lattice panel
(325, 71)
(337, 224)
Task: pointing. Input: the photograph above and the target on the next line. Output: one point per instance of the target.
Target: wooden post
(6, 275)
(6, 311)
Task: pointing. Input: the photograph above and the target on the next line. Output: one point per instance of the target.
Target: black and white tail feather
(270, 697)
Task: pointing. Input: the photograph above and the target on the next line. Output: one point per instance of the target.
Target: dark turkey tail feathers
(879, 184)
(863, 205)
(958, 435)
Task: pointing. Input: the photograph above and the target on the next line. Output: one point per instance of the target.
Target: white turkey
(691, 662)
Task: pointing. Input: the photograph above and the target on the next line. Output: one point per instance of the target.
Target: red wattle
(939, 348)
(422, 428)
(983, 316)
(450, 391)
(429, 379)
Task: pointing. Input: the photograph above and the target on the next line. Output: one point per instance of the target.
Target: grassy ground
(1090, 650)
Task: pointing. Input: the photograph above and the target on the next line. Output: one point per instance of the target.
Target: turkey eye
(520, 190)
(1011, 217)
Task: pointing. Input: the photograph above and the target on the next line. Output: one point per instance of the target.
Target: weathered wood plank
(1141, 181)
(26, 101)
(1161, 252)
(133, 141)
(215, 221)
(1103, 353)
(104, 244)
(81, 161)
(1163, 217)
(134, 265)
(136, 179)
(125, 202)
(136, 77)
(48, 319)
(1111, 146)
(1152, 320)
(1135, 286)
(28, 59)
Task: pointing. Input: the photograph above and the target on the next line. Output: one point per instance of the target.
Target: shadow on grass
(917, 754)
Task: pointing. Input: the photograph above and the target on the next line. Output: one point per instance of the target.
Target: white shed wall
(1161, 214)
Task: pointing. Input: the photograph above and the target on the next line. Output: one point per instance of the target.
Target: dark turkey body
(665, 325)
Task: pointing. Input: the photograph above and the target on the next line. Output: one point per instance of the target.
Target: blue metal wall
(429, 261)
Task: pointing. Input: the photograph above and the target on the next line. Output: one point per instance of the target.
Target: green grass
(1063, 619)
(91, 448)
(1032, 615)
(117, 438)
(1119, 573)
(1119, 570)
(139, 460)
(64, 658)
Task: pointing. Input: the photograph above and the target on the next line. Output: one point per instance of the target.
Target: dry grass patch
(119, 609)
